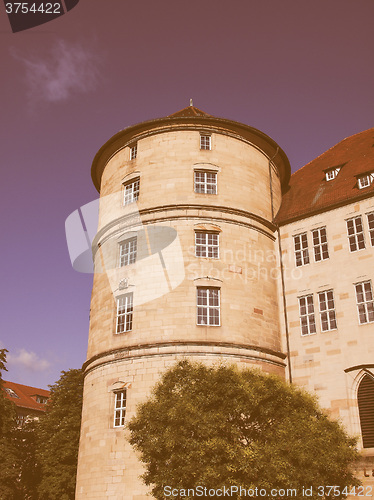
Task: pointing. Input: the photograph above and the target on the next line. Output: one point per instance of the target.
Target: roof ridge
(23, 385)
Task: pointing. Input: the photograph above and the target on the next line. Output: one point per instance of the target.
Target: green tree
(25, 439)
(9, 459)
(220, 426)
(58, 437)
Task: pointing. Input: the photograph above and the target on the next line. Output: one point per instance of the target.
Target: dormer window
(332, 173)
(11, 393)
(41, 399)
(365, 180)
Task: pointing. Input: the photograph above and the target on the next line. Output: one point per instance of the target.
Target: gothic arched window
(365, 397)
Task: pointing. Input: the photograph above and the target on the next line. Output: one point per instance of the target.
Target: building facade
(196, 224)
(327, 238)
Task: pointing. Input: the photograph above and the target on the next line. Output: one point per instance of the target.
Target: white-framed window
(365, 302)
(371, 227)
(331, 174)
(124, 313)
(301, 249)
(205, 182)
(131, 191)
(307, 317)
(208, 306)
(320, 248)
(133, 151)
(365, 180)
(207, 244)
(127, 251)
(355, 231)
(327, 310)
(119, 408)
(205, 142)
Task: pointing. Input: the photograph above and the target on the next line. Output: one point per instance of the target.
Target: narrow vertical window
(355, 233)
(365, 399)
(207, 245)
(301, 249)
(371, 227)
(119, 408)
(124, 313)
(208, 306)
(205, 182)
(320, 248)
(205, 142)
(365, 302)
(327, 310)
(133, 151)
(127, 252)
(131, 192)
(307, 318)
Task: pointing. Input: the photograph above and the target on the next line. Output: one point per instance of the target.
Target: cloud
(28, 360)
(66, 69)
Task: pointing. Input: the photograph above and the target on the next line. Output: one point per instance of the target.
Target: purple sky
(302, 72)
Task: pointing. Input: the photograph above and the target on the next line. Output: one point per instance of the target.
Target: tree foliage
(58, 436)
(220, 426)
(38, 461)
(9, 459)
(7, 409)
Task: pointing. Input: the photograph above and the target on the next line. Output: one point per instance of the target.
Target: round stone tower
(185, 266)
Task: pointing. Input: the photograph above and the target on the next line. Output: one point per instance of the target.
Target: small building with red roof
(29, 401)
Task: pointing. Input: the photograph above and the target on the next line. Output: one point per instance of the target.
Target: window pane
(206, 245)
(355, 234)
(131, 192)
(307, 319)
(208, 312)
(120, 408)
(206, 182)
(124, 313)
(301, 249)
(365, 303)
(320, 244)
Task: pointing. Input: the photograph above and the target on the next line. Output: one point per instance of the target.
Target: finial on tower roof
(191, 103)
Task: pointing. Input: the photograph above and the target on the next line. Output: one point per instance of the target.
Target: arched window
(365, 397)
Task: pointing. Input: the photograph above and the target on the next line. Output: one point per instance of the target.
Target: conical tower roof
(189, 111)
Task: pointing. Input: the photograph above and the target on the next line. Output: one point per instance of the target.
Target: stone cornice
(167, 209)
(181, 348)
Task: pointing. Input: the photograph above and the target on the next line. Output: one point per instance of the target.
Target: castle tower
(184, 267)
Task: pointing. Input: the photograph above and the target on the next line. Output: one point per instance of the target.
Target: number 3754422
(33, 8)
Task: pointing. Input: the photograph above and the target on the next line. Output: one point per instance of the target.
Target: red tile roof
(26, 395)
(309, 192)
